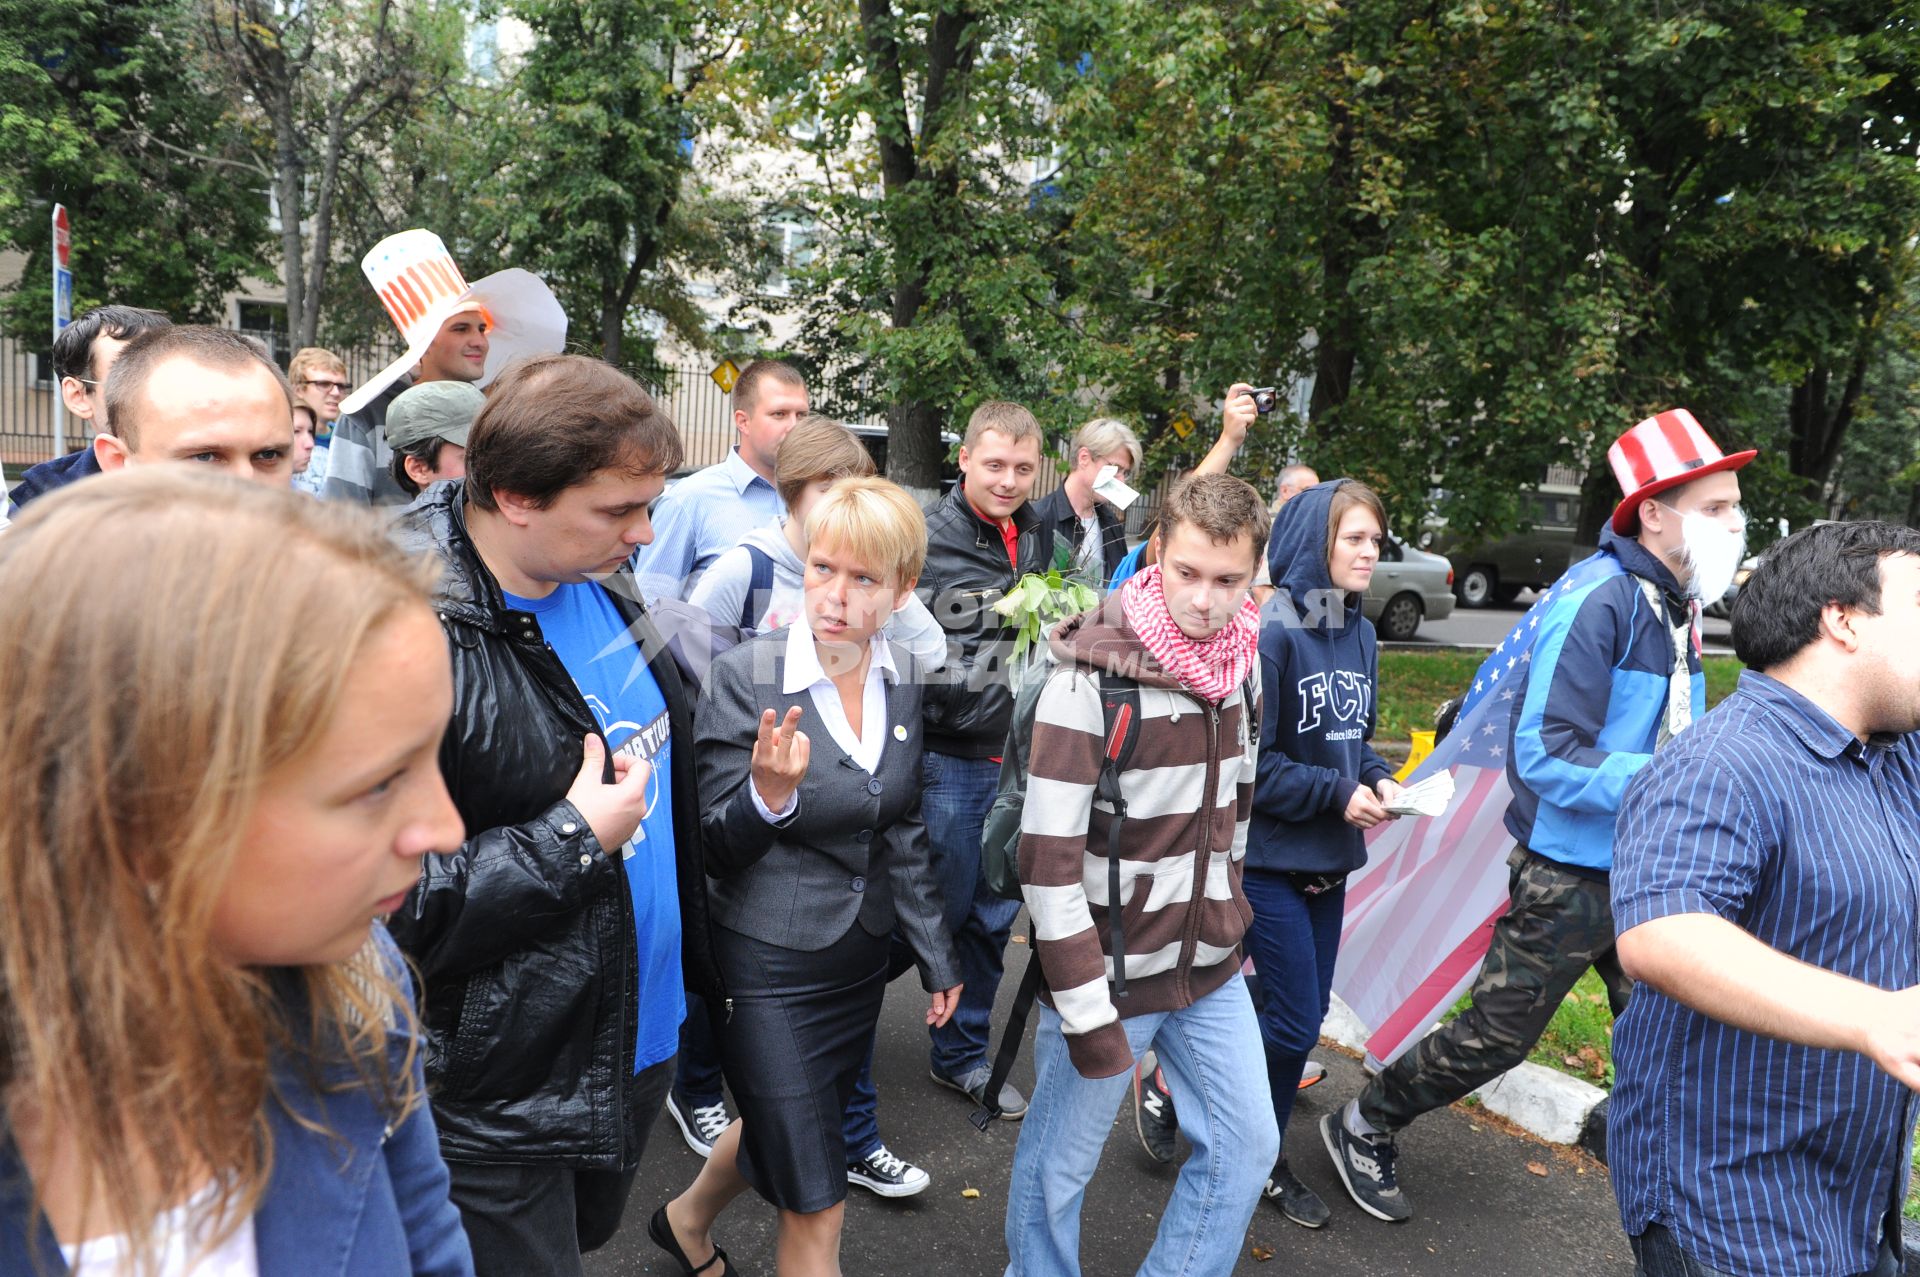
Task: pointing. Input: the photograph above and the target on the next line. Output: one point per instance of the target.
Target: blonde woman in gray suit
(809, 747)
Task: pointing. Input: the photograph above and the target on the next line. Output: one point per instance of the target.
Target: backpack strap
(759, 588)
(1120, 706)
(1011, 1036)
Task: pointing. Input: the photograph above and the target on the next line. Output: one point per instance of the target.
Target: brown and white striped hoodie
(1189, 793)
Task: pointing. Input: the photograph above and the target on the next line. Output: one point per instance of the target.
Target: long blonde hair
(168, 639)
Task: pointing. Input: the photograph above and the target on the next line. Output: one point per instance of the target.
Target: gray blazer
(855, 850)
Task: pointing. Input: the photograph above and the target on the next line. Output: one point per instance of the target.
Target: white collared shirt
(804, 673)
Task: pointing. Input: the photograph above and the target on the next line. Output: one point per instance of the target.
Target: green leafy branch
(1041, 599)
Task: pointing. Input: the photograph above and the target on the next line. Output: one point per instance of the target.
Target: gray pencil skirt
(801, 1026)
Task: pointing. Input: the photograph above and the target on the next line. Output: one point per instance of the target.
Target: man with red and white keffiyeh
(1186, 633)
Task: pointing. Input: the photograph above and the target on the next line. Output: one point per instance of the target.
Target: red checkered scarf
(1210, 667)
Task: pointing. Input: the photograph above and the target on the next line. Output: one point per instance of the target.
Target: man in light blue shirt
(704, 515)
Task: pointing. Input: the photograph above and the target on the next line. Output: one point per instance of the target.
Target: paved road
(1483, 627)
(1481, 1212)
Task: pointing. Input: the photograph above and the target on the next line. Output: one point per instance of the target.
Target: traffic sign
(725, 375)
(1182, 423)
(62, 237)
(62, 298)
(62, 269)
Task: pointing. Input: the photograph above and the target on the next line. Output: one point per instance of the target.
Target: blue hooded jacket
(1596, 689)
(57, 473)
(1318, 664)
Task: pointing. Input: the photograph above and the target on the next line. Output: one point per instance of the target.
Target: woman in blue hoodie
(1319, 784)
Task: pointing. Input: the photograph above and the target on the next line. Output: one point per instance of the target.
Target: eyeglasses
(332, 387)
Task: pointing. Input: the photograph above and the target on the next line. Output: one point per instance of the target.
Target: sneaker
(1153, 1114)
(973, 1084)
(1296, 1201)
(700, 1125)
(1366, 1168)
(1314, 1072)
(889, 1176)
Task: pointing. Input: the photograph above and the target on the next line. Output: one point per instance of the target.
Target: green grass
(1413, 685)
(1579, 1040)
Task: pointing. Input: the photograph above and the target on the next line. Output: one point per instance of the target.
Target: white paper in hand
(1428, 798)
(1108, 484)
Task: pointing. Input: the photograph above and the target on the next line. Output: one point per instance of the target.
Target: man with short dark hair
(454, 332)
(1158, 964)
(1766, 881)
(556, 943)
(707, 513)
(83, 355)
(207, 396)
(982, 537)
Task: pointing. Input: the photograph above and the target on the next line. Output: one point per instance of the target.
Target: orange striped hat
(421, 287)
(1664, 451)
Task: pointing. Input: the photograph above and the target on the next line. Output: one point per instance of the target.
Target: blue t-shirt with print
(585, 631)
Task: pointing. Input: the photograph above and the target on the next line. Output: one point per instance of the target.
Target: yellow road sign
(1182, 424)
(725, 375)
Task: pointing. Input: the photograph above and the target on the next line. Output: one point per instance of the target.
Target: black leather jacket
(525, 936)
(1056, 515)
(968, 704)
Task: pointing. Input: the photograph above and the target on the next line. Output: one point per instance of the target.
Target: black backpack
(1000, 848)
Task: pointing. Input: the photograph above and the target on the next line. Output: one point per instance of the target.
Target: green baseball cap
(433, 410)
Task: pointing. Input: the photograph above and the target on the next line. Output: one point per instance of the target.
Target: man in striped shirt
(1165, 972)
(1766, 887)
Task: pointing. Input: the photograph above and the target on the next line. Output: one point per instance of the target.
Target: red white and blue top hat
(1664, 451)
(420, 286)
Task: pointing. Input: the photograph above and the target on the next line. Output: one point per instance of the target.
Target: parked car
(1492, 572)
(1408, 586)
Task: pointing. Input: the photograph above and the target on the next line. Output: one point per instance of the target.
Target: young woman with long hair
(208, 1059)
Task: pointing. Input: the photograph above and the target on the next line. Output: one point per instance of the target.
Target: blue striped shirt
(1765, 1157)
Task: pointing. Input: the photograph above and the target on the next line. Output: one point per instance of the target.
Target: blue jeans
(1294, 941)
(955, 799)
(1210, 1054)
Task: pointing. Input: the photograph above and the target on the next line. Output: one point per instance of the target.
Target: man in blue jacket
(1612, 674)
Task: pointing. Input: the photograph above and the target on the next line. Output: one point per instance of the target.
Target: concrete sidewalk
(1481, 1211)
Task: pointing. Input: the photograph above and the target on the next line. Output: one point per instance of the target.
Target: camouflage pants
(1558, 925)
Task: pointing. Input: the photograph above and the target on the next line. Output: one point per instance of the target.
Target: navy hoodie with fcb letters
(1318, 667)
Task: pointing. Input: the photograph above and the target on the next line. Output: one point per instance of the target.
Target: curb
(1558, 1108)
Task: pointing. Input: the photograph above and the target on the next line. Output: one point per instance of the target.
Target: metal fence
(692, 399)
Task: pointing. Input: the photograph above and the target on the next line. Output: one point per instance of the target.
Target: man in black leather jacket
(981, 539)
(556, 944)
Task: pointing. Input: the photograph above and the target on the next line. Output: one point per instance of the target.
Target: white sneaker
(701, 1126)
(889, 1176)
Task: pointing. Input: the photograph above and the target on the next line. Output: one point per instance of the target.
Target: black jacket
(524, 937)
(1056, 516)
(968, 705)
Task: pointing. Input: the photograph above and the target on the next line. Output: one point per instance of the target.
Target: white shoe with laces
(889, 1176)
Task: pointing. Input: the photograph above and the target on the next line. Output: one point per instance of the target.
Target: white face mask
(1712, 552)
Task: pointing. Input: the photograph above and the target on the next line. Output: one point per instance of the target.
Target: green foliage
(97, 101)
(1039, 600)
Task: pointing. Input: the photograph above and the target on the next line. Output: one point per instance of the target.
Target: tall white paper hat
(420, 286)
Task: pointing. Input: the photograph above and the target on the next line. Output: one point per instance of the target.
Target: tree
(98, 102)
(1489, 238)
(591, 181)
(323, 85)
(925, 125)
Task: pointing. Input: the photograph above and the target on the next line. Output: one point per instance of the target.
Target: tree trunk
(1818, 427)
(289, 176)
(914, 450)
(1337, 334)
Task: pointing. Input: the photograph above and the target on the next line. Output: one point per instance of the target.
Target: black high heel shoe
(661, 1232)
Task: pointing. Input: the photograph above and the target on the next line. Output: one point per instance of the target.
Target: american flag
(1420, 913)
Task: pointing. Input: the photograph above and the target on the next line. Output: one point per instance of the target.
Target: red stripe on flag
(1421, 1007)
